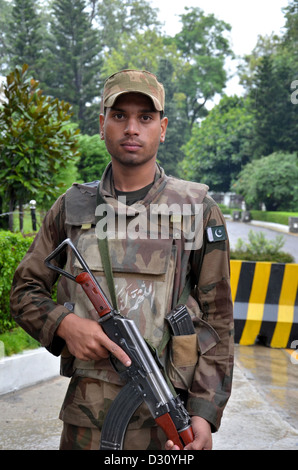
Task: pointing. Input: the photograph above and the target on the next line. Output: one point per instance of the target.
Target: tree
(133, 52)
(265, 46)
(24, 35)
(272, 180)
(220, 145)
(268, 75)
(72, 65)
(204, 49)
(118, 18)
(275, 115)
(34, 141)
(264, 106)
(5, 15)
(170, 153)
(290, 38)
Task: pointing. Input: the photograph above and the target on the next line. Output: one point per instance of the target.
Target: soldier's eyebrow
(142, 111)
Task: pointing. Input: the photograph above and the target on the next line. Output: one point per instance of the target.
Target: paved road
(261, 414)
(240, 230)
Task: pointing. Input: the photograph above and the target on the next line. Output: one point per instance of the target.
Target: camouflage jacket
(152, 255)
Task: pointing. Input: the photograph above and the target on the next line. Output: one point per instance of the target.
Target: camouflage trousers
(84, 410)
(80, 438)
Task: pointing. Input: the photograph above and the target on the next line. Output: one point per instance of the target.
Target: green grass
(16, 341)
(27, 220)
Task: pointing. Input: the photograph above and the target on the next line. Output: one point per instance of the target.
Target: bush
(272, 180)
(17, 340)
(260, 248)
(275, 217)
(224, 209)
(13, 247)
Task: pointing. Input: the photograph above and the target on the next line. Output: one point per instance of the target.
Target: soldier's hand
(86, 340)
(202, 436)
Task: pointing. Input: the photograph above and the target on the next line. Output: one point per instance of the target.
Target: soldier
(150, 272)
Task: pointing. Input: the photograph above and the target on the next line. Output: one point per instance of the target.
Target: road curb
(272, 225)
(26, 369)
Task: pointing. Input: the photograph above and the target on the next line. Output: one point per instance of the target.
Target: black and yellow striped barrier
(265, 300)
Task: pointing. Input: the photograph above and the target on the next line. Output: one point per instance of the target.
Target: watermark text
(159, 221)
(294, 95)
(294, 354)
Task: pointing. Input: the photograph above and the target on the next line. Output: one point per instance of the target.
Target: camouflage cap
(133, 81)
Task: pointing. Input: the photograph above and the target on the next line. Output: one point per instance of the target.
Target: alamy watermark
(159, 221)
(294, 95)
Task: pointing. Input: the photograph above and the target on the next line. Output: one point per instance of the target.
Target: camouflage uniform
(150, 271)
(149, 277)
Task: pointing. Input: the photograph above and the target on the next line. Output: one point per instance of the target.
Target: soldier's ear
(101, 126)
(163, 125)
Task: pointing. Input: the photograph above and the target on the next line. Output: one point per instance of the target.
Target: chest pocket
(143, 273)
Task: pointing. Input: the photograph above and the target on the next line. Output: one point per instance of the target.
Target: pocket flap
(184, 350)
(127, 256)
(207, 336)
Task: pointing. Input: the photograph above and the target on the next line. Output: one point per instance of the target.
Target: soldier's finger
(117, 351)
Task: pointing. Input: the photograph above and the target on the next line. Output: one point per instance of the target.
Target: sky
(248, 19)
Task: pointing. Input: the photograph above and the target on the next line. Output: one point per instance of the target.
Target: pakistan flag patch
(216, 234)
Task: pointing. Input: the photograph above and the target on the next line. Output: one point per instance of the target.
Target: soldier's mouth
(131, 146)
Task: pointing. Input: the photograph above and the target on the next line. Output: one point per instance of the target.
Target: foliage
(277, 217)
(133, 53)
(124, 18)
(13, 247)
(204, 49)
(290, 37)
(220, 145)
(83, 41)
(72, 45)
(197, 55)
(23, 42)
(5, 16)
(260, 248)
(65, 177)
(276, 118)
(16, 341)
(94, 157)
(72, 63)
(272, 180)
(34, 142)
(170, 152)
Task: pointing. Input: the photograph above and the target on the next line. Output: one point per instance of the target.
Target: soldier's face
(132, 129)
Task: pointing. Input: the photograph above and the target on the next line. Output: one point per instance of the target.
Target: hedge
(13, 247)
(266, 216)
(275, 217)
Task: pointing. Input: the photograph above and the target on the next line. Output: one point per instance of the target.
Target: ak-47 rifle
(144, 379)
